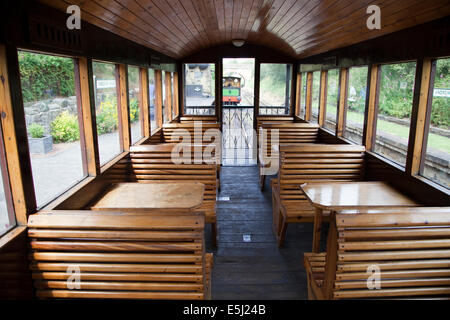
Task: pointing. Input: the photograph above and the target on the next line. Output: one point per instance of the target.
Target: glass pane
(174, 107)
(356, 104)
(7, 219)
(395, 104)
(51, 114)
(315, 97)
(163, 79)
(332, 99)
(106, 111)
(151, 92)
(303, 97)
(199, 88)
(274, 88)
(437, 156)
(133, 96)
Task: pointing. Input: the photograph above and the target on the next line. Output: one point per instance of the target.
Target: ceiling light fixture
(238, 42)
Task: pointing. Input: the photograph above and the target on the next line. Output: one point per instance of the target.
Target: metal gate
(238, 140)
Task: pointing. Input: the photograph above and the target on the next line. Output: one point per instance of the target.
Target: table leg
(331, 258)
(318, 215)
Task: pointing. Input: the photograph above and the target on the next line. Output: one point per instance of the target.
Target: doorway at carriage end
(238, 136)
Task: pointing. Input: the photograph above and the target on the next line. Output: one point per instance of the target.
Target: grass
(435, 141)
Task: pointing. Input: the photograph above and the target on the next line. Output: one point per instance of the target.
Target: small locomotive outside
(231, 94)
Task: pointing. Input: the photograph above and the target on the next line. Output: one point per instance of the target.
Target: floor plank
(258, 269)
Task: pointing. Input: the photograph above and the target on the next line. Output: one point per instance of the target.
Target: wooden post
(144, 102)
(85, 92)
(123, 106)
(370, 121)
(309, 87)
(14, 131)
(298, 90)
(168, 102)
(158, 98)
(342, 105)
(256, 101)
(323, 97)
(176, 96)
(420, 119)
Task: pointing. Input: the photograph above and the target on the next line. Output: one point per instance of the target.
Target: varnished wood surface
(355, 195)
(151, 196)
(299, 28)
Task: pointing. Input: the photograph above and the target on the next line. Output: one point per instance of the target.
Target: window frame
(412, 126)
(344, 104)
(217, 92)
(290, 89)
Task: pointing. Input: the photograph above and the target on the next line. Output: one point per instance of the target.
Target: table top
(151, 196)
(355, 195)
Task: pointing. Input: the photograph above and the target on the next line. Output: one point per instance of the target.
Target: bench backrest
(116, 255)
(153, 163)
(191, 119)
(288, 133)
(317, 163)
(410, 247)
(272, 119)
(172, 132)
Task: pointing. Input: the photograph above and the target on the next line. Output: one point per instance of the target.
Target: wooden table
(336, 196)
(148, 197)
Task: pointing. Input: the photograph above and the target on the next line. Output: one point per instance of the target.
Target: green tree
(44, 76)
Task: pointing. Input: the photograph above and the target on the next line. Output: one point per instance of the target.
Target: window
(7, 218)
(394, 111)
(106, 111)
(136, 119)
(356, 104)
(315, 97)
(275, 88)
(199, 88)
(303, 96)
(152, 98)
(332, 99)
(172, 91)
(437, 143)
(52, 123)
(164, 102)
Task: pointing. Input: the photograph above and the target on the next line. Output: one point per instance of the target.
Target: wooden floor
(255, 270)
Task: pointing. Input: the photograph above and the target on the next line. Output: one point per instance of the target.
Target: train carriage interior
(224, 150)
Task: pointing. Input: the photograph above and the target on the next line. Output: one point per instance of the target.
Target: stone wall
(44, 112)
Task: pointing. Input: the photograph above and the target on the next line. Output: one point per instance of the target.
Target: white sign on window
(441, 93)
(104, 84)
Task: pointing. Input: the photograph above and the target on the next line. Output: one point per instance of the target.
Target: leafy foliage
(107, 118)
(134, 110)
(65, 128)
(45, 76)
(36, 130)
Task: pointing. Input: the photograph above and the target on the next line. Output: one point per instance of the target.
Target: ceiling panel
(300, 28)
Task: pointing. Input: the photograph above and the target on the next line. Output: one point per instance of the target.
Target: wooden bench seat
(408, 246)
(288, 133)
(154, 163)
(84, 254)
(305, 163)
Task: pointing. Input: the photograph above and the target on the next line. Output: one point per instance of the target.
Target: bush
(134, 110)
(65, 128)
(107, 119)
(36, 130)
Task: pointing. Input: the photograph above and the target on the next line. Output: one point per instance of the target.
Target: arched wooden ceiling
(300, 28)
